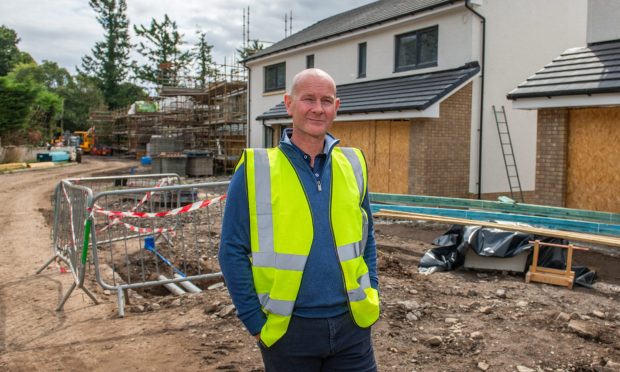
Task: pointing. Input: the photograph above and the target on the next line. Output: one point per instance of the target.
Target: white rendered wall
(603, 20)
(339, 58)
(521, 37)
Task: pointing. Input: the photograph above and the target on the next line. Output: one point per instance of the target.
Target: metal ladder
(508, 152)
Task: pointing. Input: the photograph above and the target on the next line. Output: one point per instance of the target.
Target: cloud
(65, 30)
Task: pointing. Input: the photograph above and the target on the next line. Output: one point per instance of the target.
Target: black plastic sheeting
(491, 242)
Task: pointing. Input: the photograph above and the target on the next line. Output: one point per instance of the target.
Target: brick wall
(439, 149)
(551, 157)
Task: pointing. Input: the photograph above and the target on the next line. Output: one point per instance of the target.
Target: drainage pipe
(173, 288)
(482, 66)
(189, 286)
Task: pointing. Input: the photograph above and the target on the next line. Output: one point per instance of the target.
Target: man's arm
(370, 252)
(234, 255)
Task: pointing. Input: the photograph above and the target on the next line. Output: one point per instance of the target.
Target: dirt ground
(454, 321)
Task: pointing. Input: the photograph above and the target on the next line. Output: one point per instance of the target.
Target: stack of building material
(167, 156)
(159, 144)
(173, 163)
(199, 163)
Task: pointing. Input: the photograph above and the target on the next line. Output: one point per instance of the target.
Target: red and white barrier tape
(173, 212)
(147, 196)
(139, 230)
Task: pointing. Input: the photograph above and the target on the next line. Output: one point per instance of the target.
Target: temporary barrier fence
(141, 227)
(69, 231)
(174, 233)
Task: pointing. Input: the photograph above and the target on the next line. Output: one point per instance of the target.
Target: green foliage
(128, 93)
(16, 101)
(162, 50)
(81, 97)
(109, 64)
(46, 108)
(250, 50)
(62, 99)
(204, 61)
(9, 53)
(48, 74)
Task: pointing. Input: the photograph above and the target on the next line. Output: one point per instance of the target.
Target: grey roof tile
(365, 16)
(588, 70)
(411, 92)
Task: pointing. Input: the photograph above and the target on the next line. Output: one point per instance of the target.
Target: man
(297, 248)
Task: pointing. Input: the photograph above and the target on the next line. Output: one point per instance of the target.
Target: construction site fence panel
(171, 238)
(140, 230)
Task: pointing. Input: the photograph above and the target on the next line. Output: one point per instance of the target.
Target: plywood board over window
(386, 147)
(593, 175)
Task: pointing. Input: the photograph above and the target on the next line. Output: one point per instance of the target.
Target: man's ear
(288, 100)
(337, 104)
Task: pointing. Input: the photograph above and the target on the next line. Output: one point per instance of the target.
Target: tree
(109, 63)
(46, 81)
(81, 97)
(9, 52)
(48, 74)
(249, 50)
(16, 100)
(77, 96)
(162, 50)
(204, 60)
(127, 94)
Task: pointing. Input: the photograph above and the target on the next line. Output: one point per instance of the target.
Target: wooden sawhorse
(552, 276)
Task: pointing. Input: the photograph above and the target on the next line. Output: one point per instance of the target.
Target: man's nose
(317, 106)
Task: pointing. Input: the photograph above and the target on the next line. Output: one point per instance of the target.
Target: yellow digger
(87, 139)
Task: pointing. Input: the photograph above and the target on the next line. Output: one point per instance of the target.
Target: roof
(352, 20)
(411, 92)
(588, 70)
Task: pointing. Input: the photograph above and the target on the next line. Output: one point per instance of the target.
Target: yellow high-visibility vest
(281, 234)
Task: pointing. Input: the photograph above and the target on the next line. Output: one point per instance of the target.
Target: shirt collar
(329, 143)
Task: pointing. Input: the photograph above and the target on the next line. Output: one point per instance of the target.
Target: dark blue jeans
(325, 345)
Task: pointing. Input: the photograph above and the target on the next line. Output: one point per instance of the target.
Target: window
(275, 77)
(361, 60)
(416, 49)
(310, 61)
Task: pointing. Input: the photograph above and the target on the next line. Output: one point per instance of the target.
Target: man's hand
(257, 337)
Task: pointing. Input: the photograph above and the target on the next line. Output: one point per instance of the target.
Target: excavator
(87, 139)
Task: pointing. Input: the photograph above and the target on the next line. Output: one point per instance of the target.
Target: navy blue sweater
(322, 293)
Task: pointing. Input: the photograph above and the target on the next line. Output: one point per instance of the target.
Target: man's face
(313, 106)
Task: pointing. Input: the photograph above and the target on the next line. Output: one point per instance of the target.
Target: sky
(65, 30)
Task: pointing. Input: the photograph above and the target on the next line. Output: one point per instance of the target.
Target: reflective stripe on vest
(350, 227)
(281, 233)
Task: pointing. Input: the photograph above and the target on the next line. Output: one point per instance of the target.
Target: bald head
(311, 73)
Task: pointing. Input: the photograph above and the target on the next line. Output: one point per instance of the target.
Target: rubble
(583, 328)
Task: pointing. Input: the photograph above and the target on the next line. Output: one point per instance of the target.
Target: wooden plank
(546, 211)
(551, 270)
(381, 169)
(546, 222)
(572, 236)
(399, 158)
(593, 173)
(547, 278)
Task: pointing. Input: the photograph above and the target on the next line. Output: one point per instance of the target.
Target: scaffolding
(209, 116)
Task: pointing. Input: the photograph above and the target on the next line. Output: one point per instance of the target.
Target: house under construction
(185, 119)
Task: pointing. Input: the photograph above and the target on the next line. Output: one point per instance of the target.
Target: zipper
(318, 184)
